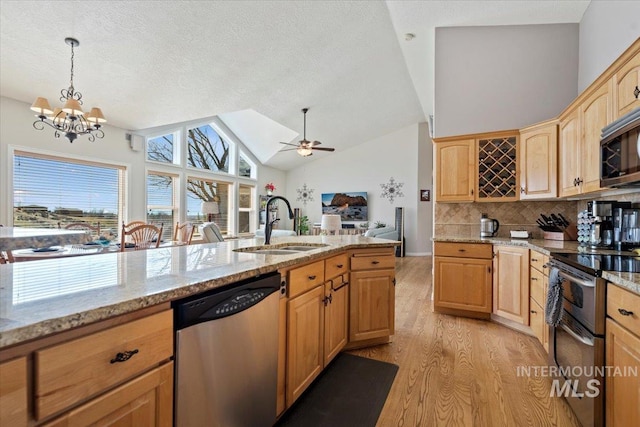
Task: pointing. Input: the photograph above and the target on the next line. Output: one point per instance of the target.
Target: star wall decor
(392, 189)
(305, 194)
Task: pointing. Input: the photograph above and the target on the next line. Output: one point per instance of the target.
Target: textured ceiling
(154, 63)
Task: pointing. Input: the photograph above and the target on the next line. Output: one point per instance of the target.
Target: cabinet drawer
(624, 307)
(372, 262)
(336, 265)
(304, 278)
(464, 250)
(539, 261)
(76, 370)
(537, 286)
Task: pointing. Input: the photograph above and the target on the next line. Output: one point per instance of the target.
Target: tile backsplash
(463, 219)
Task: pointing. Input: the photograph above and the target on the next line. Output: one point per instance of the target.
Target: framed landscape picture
(350, 206)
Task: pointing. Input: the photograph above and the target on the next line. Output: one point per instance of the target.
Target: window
(92, 192)
(208, 201)
(161, 201)
(207, 150)
(246, 209)
(162, 148)
(246, 167)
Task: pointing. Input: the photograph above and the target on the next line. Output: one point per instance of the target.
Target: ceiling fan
(305, 147)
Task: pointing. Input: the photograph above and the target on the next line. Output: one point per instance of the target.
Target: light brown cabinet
(144, 401)
(596, 113)
(13, 392)
(538, 284)
(372, 295)
(569, 154)
(462, 278)
(626, 85)
(316, 327)
(455, 170)
(511, 283)
(539, 161)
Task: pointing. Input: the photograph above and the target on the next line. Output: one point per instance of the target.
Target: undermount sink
(281, 249)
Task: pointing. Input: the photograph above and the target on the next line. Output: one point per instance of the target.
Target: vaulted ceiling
(254, 63)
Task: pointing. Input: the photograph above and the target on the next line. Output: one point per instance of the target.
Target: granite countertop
(42, 297)
(629, 281)
(20, 238)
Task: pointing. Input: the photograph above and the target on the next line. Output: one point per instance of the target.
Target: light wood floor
(456, 371)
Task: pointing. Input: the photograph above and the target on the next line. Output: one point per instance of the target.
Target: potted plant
(270, 188)
(303, 225)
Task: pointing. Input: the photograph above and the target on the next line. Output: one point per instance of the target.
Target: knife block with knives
(557, 227)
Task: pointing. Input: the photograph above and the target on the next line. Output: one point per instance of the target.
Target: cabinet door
(305, 341)
(462, 284)
(13, 392)
(372, 304)
(336, 319)
(143, 401)
(596, 114)
(538, 162)
(282, 357)
(537, 323)
(626, 82)
(511, 283)
(569, 155)
(622, 391)
(455, 171)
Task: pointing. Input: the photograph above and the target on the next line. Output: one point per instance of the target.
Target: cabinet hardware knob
(124, 356)
(462, 250)
(534, 259)
(375, 262)
(580, 181)
(575, 181)
(339, 265)
(522, 190)
(394, 281)
(488, 269)
(534, 278)
(312, 277)
(625, 312)
(533, 312)
(636, 92)
(545, 266)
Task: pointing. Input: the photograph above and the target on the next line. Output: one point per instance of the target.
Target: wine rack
(497, 169)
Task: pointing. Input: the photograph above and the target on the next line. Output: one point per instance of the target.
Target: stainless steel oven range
(576, 345)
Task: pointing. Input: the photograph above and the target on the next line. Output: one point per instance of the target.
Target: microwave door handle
(583, 340)
(577, 280)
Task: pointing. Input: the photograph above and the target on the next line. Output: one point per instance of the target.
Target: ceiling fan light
(304, 151)
(41, 106)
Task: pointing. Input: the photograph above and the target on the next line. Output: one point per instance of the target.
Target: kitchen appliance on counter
(620, 152)
(626, 227)
(488, 226)
(578, 341)
(601, 235)
(227, 355)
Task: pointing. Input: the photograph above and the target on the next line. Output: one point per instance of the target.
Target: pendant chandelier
(69, 120)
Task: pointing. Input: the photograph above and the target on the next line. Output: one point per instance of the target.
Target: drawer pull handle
(339, 265)
(312, 277)
(534, 259)
(545, 266)
(625, 312)
(533, 312)
(462, 250)
(123, 357)
(534, 278)
(375, 262)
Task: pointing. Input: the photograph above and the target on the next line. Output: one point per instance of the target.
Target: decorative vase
(269, 193)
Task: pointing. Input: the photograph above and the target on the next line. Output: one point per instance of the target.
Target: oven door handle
(577, 280)
(582, 339)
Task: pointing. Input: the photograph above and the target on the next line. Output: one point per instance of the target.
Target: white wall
(607, 29)
(17, 131)
(364, 168)
(503, 77)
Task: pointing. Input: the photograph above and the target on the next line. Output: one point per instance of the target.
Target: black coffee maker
(602, 235)
(626, 227)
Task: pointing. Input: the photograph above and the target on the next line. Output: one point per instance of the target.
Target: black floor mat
(351, 391)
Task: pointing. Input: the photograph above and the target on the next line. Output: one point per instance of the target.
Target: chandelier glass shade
(304, 151)
(69, 120)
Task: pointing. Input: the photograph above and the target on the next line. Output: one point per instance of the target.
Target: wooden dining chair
(143, 236)
(132, 224)
(184, 232)
(82, 226)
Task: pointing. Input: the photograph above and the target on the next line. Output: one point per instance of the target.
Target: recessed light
(409, 36)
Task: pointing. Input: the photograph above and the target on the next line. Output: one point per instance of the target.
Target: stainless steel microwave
(620, 152)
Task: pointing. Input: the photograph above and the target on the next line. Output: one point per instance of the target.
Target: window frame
(175, 208)
(177, 150)
(233, 148)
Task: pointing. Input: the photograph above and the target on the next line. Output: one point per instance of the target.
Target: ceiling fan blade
(288, 143)
(316, 143)
(323, 148)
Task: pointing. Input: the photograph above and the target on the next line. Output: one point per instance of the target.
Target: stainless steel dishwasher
(227, 355)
